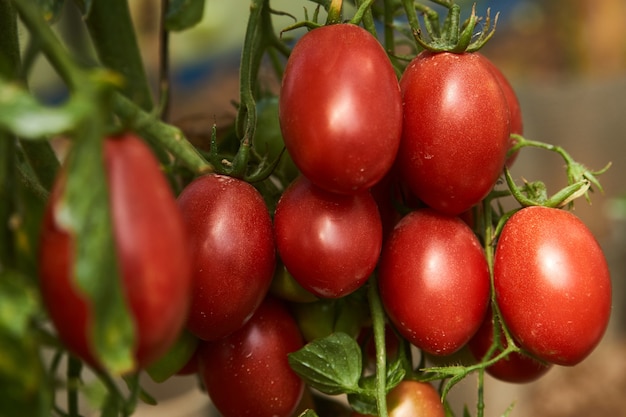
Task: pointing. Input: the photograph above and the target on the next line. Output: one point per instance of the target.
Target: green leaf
(23, 115)
(183, 14)
(331, 365)
(395, 374)
(84, 213)
(25, 389)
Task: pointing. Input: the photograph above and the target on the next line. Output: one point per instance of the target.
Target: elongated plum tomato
(340, 108)
(434, 281)
(456, 130)
(247, 373)
(412, 399)
(152, 252)
(552, 284)
(233, 255)
(329, 242)
(516, 367)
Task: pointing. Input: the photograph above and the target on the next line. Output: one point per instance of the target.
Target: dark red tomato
(329, 242)
(552, 284)
(232, 246)
(247, 373)
(516, 367)
(456, 130)
(340, 108)
(151, 247)
(434, 281)
(412, 399)
(515, 111)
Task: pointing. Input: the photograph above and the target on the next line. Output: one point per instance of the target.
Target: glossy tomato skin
(340, 108)
(152, 253)
(434, 281)
(233, 255)
(247, 373)
(515, 110)
(455, 133)
(552, 284)
(329, 242)
(516, 368)
(412, 399)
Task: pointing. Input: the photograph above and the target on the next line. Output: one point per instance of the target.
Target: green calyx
(453, 36)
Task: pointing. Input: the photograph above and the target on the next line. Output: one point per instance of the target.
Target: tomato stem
(74, 369)
(9, 69)
(378, 325)
(159, 132)
(334, 12)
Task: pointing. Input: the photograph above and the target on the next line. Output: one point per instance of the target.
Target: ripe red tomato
(516, 367)
(329, 242)
(247, 373)
(151, 247)
(413, 399)
(340, 108)
(434, 281)
(456, 130)
(515, 111)
(552, 284)
(233, 255)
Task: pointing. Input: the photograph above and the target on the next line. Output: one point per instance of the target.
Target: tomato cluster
(392, 173)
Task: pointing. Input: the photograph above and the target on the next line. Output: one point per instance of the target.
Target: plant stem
(378, 324)
(54, 51)
(111, 29)
(74, 368)
(164, 64)
(162, 134)
(9, 69)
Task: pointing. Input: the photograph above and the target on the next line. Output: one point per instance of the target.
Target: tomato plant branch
(74, 369)
(378, 324)
(579, 177)
(111, 29)
(158, 132)
(56, 54)
(9, 67)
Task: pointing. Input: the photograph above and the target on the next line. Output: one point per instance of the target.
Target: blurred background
(567, 62)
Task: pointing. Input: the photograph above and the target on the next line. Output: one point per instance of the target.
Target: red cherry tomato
(552, 284)
(434, 281)
(151, 247)
(340, 108)
(456, 130)
(412, 399)
(247, 373)
(232, 246)
(329, 242)
(516, 367)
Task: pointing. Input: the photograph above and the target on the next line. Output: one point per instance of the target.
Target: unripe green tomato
(268, 139)
(286, 287)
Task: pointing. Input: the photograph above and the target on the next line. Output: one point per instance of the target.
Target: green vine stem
(111, 30)
(74, 369)
(9, 69)
(158, 132)
(378, 325)
(580, 178)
